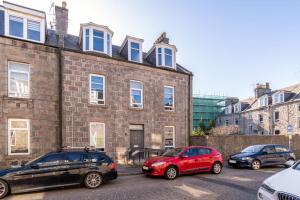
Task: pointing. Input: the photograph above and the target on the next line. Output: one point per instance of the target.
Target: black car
(59, 169)
(256, 156)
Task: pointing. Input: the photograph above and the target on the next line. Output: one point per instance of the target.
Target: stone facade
(116, 114)
(258, 119)
(41, 108)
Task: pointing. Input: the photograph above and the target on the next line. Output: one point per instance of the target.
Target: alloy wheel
(93, 180)
(217, 168)
(256, 165)
(2, 189)
(171, 173)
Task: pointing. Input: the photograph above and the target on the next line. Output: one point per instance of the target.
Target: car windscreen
(34, 160)
(253, 149)
(297, 166)
(173, 152)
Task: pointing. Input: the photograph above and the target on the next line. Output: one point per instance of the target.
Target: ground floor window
(169, 133)
(18, 136)
(97, 135)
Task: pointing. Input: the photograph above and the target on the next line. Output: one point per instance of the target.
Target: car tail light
(112, 166)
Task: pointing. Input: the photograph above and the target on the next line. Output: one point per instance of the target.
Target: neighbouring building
(269, 112)
(206, 108)
(62, 90)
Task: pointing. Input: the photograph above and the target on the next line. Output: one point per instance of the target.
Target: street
(231, 184)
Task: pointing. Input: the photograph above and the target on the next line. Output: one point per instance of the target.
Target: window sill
(17, 98)
(98, 105)
(136, 109)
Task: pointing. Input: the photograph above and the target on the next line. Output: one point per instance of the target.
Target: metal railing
(141, 154)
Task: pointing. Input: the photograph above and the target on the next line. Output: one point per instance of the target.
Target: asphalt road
(232, 184)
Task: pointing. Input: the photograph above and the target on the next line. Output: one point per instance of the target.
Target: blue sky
(229, 45)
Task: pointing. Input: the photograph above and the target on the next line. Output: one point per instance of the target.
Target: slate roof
(72, 42)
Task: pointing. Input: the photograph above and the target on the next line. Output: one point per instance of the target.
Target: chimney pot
(64, 4)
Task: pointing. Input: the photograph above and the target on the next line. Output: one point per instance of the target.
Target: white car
(283, 185)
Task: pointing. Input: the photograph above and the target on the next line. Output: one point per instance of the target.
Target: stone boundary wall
(228, 145)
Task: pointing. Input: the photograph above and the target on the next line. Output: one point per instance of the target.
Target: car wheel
(3, 189)
(171, 173)
(255, 165)
(216, 168)
(93, 180)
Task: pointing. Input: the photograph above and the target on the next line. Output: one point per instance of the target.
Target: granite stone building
(269, 112)
(62, 90)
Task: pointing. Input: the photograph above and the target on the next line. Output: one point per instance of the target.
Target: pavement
(129, 170)
(232, 184)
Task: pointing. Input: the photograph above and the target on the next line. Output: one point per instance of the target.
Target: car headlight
(268, 188)
(246, 158)
(158, 163)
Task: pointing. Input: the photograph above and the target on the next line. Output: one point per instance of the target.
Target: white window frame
(237, 108)
(140, 50)
(276, 120)
(25, 18)
(90, 89)
(163, 47)
(104, 132)
(19, 71)
(91, 39)
(142, 94)
(278, 97)
(263, 101)
(9, 137)
(173, 99)
(173, 127)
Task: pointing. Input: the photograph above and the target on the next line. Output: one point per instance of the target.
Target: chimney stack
(61, 22)
(262, 89)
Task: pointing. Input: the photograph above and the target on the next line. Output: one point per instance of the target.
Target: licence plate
(145, 168)
(232, 161)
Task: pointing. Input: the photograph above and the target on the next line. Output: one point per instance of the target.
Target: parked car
(257, 156)
(58, 169)
(282, 186)
(184, 160)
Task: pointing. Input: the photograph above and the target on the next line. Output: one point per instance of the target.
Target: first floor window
(136, 94)
(276, 116)
(169, 136)
(97, 135)
(261, 118)
(33, 30)
(226, 122)
(236, 122)
(169, 98)
(16, 26)
(250, 128)
(18, 136)
(18, 83)
(97, 89)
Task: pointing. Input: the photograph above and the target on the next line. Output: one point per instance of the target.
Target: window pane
(135, 55)
(135, 45)
(169, 136)
(87, 39)
(33, 30)
(159, 58)
(136, 97)
(19, 80)
(97, 90)
(168, 51)
(19, 133)
(168, 98)
(137, 85)
(168, 60)
(16, 26)
(97, 135)
(98, 41)
(108, 44)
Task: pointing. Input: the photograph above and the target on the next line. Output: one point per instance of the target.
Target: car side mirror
(184, 156)
(34, 166)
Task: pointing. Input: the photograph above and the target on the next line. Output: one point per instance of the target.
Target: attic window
(165, 57)
(97, 40)
(135, 52)
(263, 101)
(278, 97)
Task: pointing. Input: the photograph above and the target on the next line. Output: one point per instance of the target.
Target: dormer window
(96, 38)
(228, 110)
(165, 57)
(263, 101)
(24, 23)
(131, 49)
(237, 108)
(278, 97)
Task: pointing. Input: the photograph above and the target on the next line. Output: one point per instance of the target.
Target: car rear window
(204, 151)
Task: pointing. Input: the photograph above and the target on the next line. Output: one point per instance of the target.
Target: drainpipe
(189, 108)
(60, 102)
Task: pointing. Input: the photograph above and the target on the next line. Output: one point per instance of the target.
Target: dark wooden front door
(136, 139)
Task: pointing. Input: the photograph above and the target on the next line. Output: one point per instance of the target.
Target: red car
(184, 160)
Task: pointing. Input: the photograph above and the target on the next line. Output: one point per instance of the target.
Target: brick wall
(42, 106)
